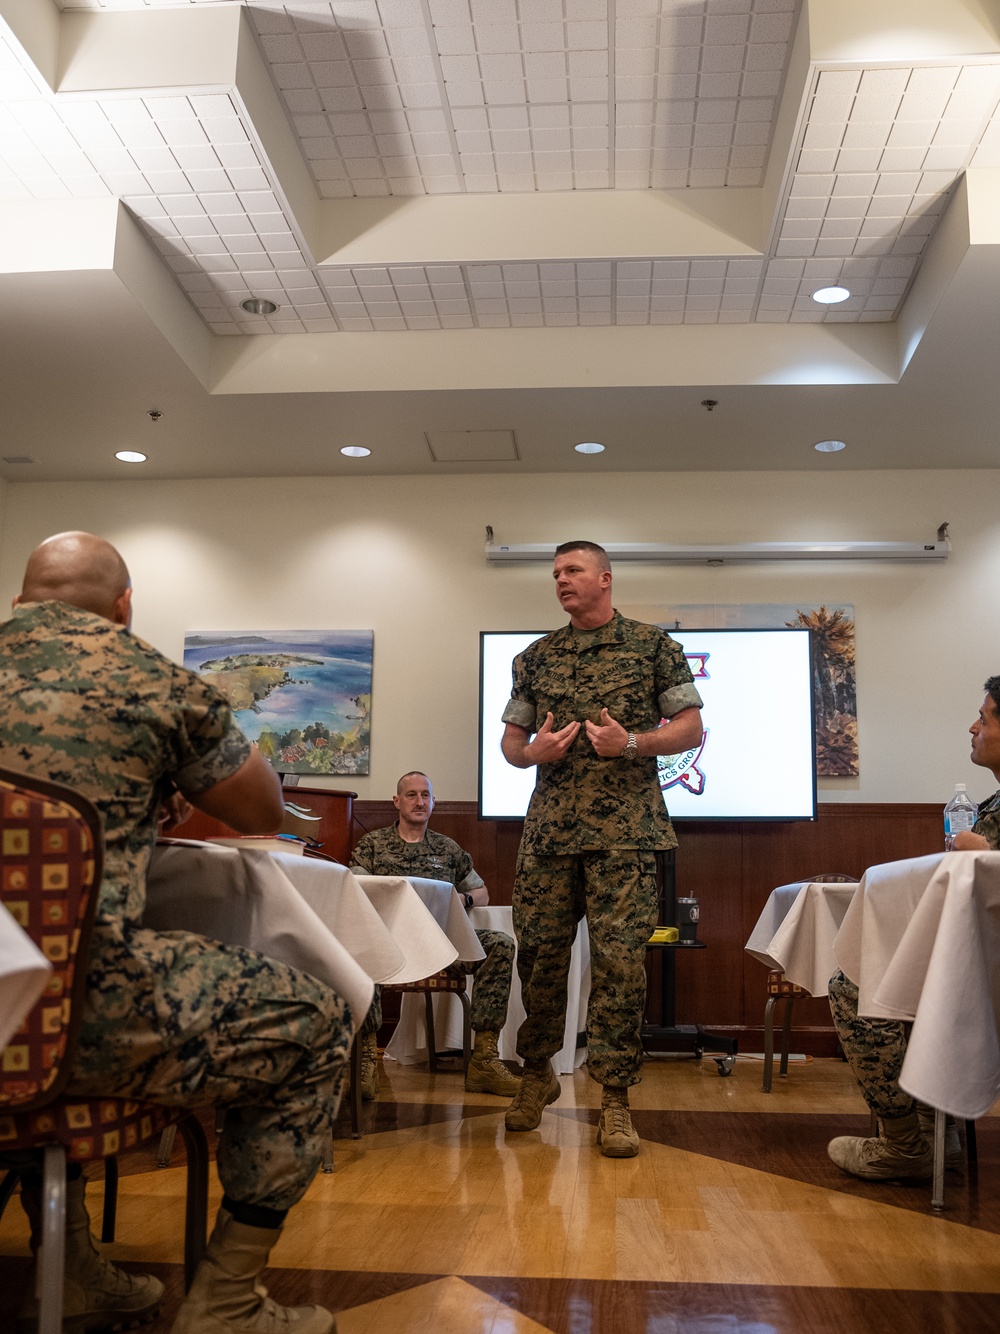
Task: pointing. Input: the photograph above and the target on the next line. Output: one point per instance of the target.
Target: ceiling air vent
(16, 458)
(472, 446)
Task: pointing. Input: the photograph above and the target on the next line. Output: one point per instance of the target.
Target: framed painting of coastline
(304, 696)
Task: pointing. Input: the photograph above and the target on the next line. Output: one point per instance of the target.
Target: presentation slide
(756, 760)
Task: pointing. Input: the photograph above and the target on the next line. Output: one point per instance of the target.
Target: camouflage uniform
(435, 857)
(169, 1017)
(591, 834)
(875, 1048)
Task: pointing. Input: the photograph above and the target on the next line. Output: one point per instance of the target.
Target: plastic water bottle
(959, 814)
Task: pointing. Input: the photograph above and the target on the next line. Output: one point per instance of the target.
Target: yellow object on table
(664, 935)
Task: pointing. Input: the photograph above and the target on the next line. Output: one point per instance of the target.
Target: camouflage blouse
(988, 821)
(86, 703)
(585, 802)
(435, 857)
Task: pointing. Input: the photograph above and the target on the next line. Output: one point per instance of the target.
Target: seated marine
(875, 1048)
(409, 848)
(169, 1018)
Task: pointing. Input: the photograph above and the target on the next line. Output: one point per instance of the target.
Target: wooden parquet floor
(731, 1221)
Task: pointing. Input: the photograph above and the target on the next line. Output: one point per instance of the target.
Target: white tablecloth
(246, 897)
(24, 971)
(441, 900)
(796, 930)
(876, 921)
(408, 1044)
(924, 942)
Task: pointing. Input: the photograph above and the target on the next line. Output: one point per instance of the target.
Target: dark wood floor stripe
(793, 1145)
(582, 1306)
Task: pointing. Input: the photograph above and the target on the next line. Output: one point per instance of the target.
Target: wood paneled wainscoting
(731, 868)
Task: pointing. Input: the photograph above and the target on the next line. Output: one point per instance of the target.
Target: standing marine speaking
(593, 704)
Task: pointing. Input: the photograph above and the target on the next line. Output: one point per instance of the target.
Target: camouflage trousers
(186, 1022)
(874, 1049)
(616, 891)
(490, 985)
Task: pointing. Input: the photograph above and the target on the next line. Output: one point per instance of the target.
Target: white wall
(404, 556)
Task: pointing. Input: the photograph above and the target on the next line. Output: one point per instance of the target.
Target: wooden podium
(333, 832)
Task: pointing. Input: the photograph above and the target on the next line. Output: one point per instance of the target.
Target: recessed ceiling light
(355, 451)
(589, 447)
(130, 456)
(258, 305)
(829, 296)
(830, 446)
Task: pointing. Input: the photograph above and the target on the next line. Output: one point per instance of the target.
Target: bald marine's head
(83, 570)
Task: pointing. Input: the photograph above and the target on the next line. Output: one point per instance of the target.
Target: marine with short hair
(408, 848)
(592, 705)
(876, 1048)
(169, 1018)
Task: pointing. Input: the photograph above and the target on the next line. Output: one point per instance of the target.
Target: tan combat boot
(96, 1293)
(539, 1087)
(487, 1073)
(227, 1296)
(953, 1155)
(899, 1154)
(616, 1137)
(369, 1067)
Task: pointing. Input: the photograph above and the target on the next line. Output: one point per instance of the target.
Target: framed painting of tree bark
(834, 682)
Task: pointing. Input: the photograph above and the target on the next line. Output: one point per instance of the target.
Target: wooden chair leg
(463, 996)
(220, 1119)
(786, 1038)
(937, 1189)
(166, 1146)
(769, 1042)
(52, 1254)
(971, 1148)
(196, 1203)
(110, 1198)
(7, 1186)
(432, 1057)
(355, 1091)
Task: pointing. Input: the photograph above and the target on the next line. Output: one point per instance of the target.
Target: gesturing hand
(547, 745)
(607, 737)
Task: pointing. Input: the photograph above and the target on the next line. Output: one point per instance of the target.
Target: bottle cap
(959, 787)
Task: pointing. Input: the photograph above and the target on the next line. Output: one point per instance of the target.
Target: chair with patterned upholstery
(445, 982)
(779, 988)
(51, 860)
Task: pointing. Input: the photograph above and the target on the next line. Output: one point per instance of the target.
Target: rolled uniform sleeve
(988, 821)
(522, 708)
(467, 877)
(362, 859)
(677, 698)
(520, 713)
(208, 744)
(675, 684)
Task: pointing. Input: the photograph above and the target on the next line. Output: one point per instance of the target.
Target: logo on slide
(682, 769)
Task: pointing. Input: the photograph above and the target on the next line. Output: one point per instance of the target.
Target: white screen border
(504, 791)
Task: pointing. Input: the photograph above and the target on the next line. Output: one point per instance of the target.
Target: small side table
(691, 1038)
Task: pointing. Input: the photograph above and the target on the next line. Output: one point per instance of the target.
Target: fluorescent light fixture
(258, 305)
(589, 447)
(736, 553)
(355, 451)
(829, 296)
(130, 456)
(830, 446)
